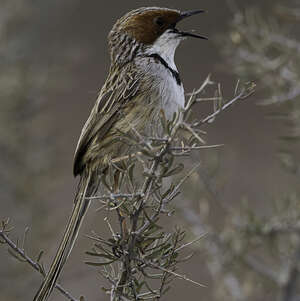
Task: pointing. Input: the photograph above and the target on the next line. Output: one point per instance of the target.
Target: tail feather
(70, 235)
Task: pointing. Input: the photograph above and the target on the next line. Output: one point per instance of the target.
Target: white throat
(167, 87)
(165, 46)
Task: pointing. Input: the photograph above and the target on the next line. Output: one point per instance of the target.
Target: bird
(143, 80)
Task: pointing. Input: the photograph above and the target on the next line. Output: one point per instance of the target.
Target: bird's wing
(112, 97)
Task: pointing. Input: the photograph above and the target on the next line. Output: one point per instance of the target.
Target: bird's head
(148, 28)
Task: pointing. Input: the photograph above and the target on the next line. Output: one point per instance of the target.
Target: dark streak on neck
(165, 64)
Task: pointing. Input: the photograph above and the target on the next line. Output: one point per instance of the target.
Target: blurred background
(54, 60)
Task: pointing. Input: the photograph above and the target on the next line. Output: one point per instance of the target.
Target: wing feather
(104, 115)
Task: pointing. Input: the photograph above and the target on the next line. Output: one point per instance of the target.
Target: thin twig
(183, 277)
(33, 264)
(191, 242)
(241, 95)
(190, 148)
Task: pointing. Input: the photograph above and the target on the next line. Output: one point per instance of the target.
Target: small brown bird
(142, 80)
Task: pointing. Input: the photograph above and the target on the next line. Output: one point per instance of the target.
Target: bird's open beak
(187, 14)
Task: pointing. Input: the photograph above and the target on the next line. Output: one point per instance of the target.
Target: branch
(183, 277)
(245, 93)
(134, 189)
(33, 263)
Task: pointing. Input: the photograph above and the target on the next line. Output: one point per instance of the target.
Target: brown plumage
(140, 83)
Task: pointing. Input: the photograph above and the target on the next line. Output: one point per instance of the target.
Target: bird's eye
(159, 21)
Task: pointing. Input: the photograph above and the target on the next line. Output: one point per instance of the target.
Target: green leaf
(174, 171)
(100, 255)
(164, 122)
(166, 290)
(97, 264)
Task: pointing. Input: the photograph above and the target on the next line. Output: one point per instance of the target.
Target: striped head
(146, 30)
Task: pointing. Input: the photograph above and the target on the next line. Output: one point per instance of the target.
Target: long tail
(81, 205)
